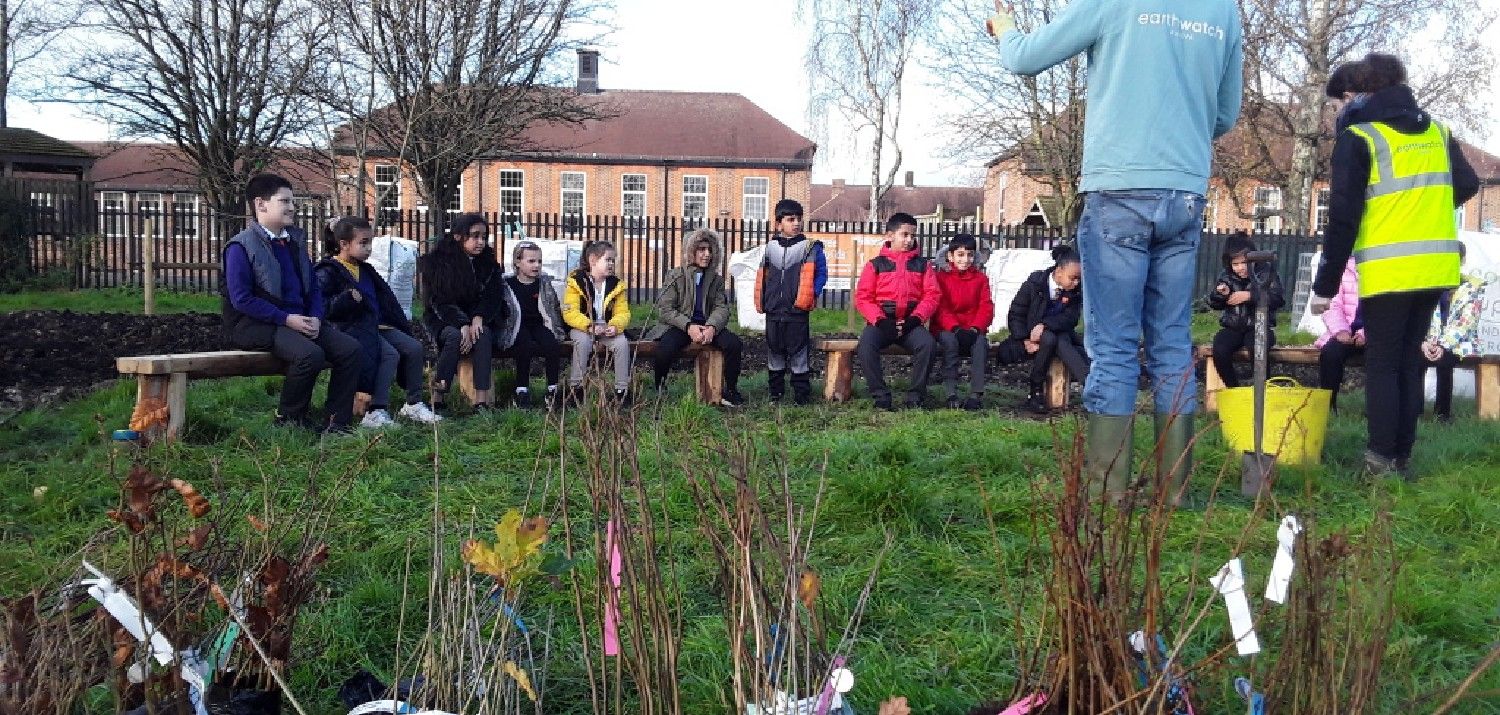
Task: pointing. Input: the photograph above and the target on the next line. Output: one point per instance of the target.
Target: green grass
(108, 300)
(937, 628)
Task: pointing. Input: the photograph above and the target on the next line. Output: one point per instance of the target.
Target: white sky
(753, 48)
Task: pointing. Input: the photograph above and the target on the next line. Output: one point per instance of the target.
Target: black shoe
(295, 421)
(523, 399)
(802, 398)
(973, 404)
(1404, 468)
(911, 403)
(732, 398)
(337, 430)
(884, 403)
(1378, 466)
(953, 402)
(624, 398)
(553, 400)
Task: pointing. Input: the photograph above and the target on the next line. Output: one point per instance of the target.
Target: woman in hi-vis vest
(1397, 176)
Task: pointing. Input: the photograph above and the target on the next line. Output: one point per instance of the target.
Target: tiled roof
(851, 202)
(142, 166)
(15, 141)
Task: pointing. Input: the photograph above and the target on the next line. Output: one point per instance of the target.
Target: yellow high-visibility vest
(1408, 236)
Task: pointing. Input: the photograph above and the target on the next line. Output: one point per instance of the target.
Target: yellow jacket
(578, 302)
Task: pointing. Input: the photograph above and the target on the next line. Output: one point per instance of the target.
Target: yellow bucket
(1296, 420)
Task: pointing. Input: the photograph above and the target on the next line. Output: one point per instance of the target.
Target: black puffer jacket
(456, 288)
(1030, 307)
(1242, 316)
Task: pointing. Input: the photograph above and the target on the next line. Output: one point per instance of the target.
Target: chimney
(838, 188)
(908, 179)
(588, 71)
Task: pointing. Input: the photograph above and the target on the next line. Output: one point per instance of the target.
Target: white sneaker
(419, 412)
(377, 419)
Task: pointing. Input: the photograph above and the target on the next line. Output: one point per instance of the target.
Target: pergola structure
(30, 153)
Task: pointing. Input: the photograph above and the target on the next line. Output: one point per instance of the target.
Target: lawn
(937, 628)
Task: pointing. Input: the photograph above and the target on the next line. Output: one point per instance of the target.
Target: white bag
(742, 268)
(1007, 269)
(396, 260)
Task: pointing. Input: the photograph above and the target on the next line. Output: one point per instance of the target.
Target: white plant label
(1230, 582)
(1281, 568)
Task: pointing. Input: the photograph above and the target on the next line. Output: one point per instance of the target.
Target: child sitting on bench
(534, 325)
(1235, 294)
(963, 318)
(596, 309)
(1343, 335)
(464, 303)
(897, 293)
(694, 310)
(1043, 321)
(361, 304)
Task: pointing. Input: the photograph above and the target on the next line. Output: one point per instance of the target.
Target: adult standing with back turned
(1164, 80)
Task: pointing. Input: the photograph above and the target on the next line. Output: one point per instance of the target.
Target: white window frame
(113, 218)
(457, 205)
(1273, 203)
(185, 220)
(1459, 215)
(1211, 212)
(685, 194)
(519, 191)
(764, 214)
(635, 223)
(381, 198)
(1320, 209)
(573, 222)
(150, 206)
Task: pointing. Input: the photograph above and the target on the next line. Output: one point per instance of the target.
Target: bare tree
(220, 79)
(460, 79)
(857, 63)
(1291, 47)
(27, 29)
(1035, 121)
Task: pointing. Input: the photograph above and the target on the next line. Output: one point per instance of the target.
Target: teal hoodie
(1163, 82)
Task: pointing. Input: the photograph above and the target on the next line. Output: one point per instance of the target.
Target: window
(456, 201)
(387, 194)
(112, 217)
(694, 200)
(1210, 212)
(1458, 218)
(1320, 212)
(757, 204)
(512, 186)
(148, 208)
(185, 215)
(633, 201)
(574, 199)
(1267, 200)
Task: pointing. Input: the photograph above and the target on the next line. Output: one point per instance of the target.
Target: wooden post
(1057, 385)
(171, 391)
(1487, 390)
(840, 381)
(709, 366)
(1212, 383)
(465, 378)
(148, 256)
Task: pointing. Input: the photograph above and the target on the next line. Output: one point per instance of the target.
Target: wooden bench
(161, 383)
(708, 364)
(838, 386)
(1486, 382)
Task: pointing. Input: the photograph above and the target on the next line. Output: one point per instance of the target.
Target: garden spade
(1257, 469)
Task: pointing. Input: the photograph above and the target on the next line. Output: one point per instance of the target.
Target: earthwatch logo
(1186, 26)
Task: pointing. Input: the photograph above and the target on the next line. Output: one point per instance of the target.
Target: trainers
(1378, 466)
(1036, 405)
(973, 404)
(953, 402)
(624, 398)
(523, 399)
(419, 412)
(884, 403)
(553, 400)
(377, 419)
(732, 398)
(802, 398)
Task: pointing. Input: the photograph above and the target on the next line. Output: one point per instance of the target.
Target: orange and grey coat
(791, 277)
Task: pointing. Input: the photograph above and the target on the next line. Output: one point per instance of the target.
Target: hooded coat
(675, 304)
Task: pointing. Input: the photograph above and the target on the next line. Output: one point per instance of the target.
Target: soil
(52, 356)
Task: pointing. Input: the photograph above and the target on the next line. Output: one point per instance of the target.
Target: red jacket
(895, 284)
(966, 301)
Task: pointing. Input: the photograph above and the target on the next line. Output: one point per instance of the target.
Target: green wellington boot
(1106, 454)
(1174, 437)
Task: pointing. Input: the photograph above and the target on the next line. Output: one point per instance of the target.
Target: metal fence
(101, 246)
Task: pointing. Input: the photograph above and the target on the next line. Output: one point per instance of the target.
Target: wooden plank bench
(838, 386)
(1486, 382)
(161, 382)
(708, 363)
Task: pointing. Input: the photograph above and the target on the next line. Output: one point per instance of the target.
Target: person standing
(1396, 178)
(1164, 80)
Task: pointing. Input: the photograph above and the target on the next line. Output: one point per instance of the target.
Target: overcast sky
(752, 48)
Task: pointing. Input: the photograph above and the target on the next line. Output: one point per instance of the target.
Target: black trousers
(1395, 325)
(306, 357)
(536, 341)
(922, 348)
(482, 354)
(671, 343)
(1442, 403)
(1229, 341)
(1331, 359)
(1063, 346)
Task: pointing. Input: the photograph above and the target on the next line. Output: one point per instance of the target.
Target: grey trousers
(953, 354)
(583, 349)
(403, 354)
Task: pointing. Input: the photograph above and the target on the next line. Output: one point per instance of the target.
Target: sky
(756, 49)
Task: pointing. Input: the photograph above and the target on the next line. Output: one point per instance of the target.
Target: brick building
(691, 155)
(843, 203)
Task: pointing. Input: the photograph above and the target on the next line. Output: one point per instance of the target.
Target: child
(1043, 321)
(896, 294)
(1343, 334)
(271, 303)
(694, 309)
(596, 310)
(1453, 334)
(362, 305)
(464, 302)
(533, 324)
(965, 310)
(791, 278)
(1235, 294)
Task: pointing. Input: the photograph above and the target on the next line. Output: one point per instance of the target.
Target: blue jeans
(1140, 257)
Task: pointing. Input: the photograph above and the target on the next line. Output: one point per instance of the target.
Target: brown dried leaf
(807, 587)
(257, 524)
(128, 518)
(197, 504)
(198, 538)
(140, 488)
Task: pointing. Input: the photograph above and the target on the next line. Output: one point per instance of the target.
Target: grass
(937, 629)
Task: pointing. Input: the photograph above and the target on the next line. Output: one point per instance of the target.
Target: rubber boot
(1174, 437)
(776, 384)
(1106, 454)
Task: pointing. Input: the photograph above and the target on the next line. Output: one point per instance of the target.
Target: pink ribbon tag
(1026, 705)
(612, 599)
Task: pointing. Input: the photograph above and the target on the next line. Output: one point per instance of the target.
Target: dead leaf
(807, 588)
(522, 679)
(198, 538)
(197, 504)
(128, 518)
(895, 706)
(256, 523)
